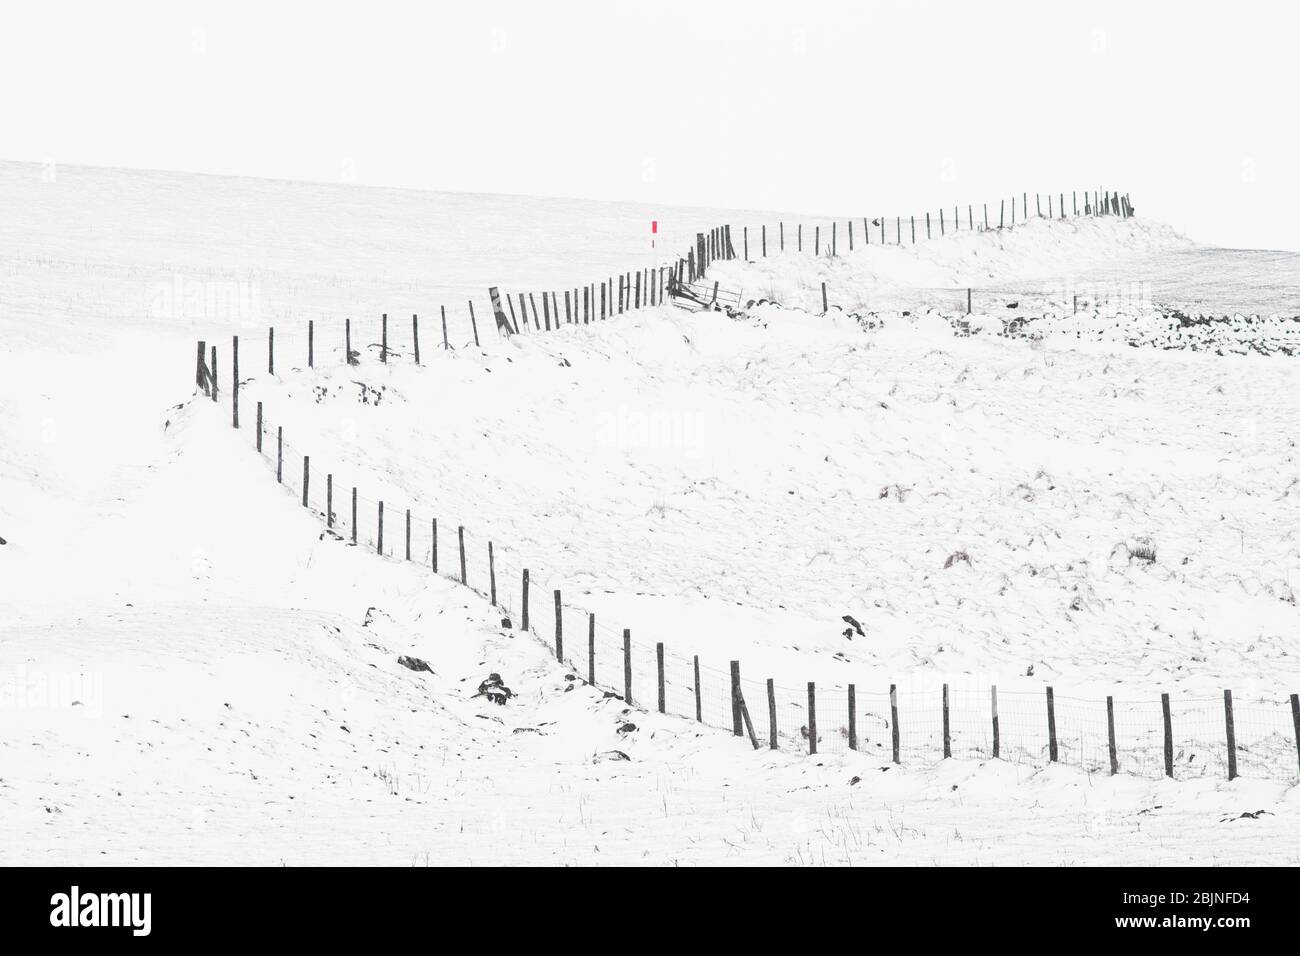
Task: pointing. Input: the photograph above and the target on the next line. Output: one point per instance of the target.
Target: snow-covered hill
(193, 672)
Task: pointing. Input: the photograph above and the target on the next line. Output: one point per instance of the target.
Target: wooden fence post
(434, 547)
(812, 718)
(591, 648)
(699, 702)
(408, 534)
(853, 704)
(997, 732)
(764, 239)
(1295, 722)
(379, 545)
(524, 601)
(659, 659)
(415, 336)
(744, 242)
(329, 500)
(1231, 734)
(234, 380)
(492, 575)
(279, 453)
(306, 476)
(735, 699)
(212, 368)
(1110, 735)
(825, 307)
(447, 345)
(270, 351)
(1169, 736)
(354, 514)
(947, 735)
(347, 341)
(817, 240)
(259, 428)
(771, 714)
(201, 368)
(1051, 726)
(893, 718)
(559, 626)
(627, 666)
(311, 343)
(473, 322)
(383, 339)
(460, 535)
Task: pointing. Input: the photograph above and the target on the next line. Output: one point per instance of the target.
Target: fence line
(1176, 738)
(1180, 738)
(516, 313)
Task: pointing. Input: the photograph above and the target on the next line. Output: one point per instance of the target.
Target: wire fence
(1182, 738)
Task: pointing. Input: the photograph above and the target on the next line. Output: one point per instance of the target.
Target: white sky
(818, 107)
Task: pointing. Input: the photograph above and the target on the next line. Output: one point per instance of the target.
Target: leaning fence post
(474, 322)
(306, 476)
(659, 660)
(627, 666)
(699, 704)
(997, 733)
(812, 718)
(524, 601)
(591, 648)
(735, 699)
(893, 718)
(1169, 736)
(1051, 726)
(200, 368)
(853, 709)
(447, 345)
(492, 575)
(559, 626)
(1231, 734)
(1110, 735)
(460, 536)
(947, 736)
(415, 336)
(771, 713)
